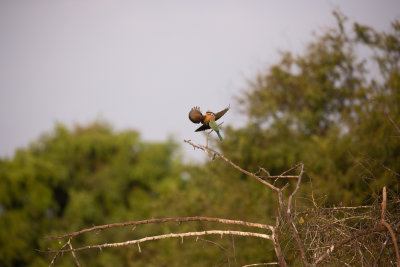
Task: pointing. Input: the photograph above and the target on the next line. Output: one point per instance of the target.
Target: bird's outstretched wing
(195, 115)
(203, 127)
(221, 113)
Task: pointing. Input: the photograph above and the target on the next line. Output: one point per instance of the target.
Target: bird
(207, 120)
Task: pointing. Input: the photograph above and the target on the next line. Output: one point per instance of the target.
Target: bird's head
(210, 114)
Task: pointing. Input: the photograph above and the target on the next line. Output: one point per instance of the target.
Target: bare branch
(234, 249)
(214, 243)
(163, 220)
(382, 249)
(384, 223)
(293, 228)
(53, 260)
(383, 204)
(297, 187)
(261, 264)
(158, 237)
(282, 175)
(287, 214)
(277, 246)
(218, 245)
(73, 253)
(394, 240)
(233, 164)
(279, 190)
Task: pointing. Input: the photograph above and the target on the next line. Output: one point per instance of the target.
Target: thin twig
(260, 264)
(384, 226)
(234, 249)
(280, 176)
(53, 260)
(214, 243)
(218, 245)
(73, 253)
(377, 229)
(297, 187)
(277, 246)
(293, 228)
(287, 213)
(392, 121)
(382, 249)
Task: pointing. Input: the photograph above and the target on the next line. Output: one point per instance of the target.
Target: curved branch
(394, 240)
(297, 187)
(158, 237)
(388, 227)
(162, 220)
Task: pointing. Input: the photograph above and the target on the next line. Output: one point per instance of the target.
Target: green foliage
(325, 109)
(68, 180)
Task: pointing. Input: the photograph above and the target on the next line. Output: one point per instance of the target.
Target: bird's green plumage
(213, 125)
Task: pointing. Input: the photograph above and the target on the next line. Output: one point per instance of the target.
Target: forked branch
(285, 211)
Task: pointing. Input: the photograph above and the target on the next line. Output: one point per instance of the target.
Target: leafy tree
(74, 178)
(328, 109)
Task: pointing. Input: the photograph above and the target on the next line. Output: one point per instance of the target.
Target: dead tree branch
(288, 216)
(389, 228)
(293, 228)
(382, 227)
(164, 220)
(277, 246)
(53, 260)
(286, 212)
(207, 150)
(260, 264)
(73, 253)
(337, 245)
(158, 237)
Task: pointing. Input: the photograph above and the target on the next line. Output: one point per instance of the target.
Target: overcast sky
(143, 64)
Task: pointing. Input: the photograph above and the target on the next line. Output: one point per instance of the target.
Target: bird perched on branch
(208, 120)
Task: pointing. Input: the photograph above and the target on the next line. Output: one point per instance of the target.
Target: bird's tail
(219, 135)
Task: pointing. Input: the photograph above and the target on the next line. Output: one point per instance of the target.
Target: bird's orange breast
(208, 118)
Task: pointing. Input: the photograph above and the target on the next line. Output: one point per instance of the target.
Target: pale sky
(143, 64)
